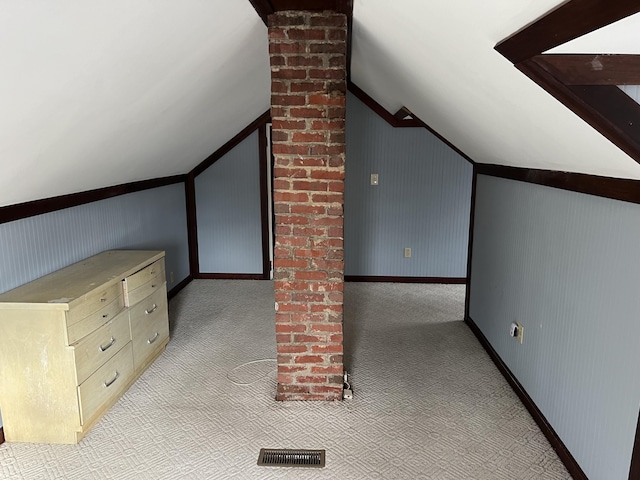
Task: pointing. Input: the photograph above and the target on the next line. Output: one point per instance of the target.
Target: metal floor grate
(271, 457)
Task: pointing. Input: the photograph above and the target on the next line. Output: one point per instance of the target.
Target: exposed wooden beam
(342, 6)
(584, 109)
(264, 9)
(593, 69)
(570, 20)
(402, 114)
(607, 187)
(18, 211)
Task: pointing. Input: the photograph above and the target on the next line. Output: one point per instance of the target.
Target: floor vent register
(270, 457)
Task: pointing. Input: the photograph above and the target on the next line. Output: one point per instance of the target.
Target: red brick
(334, 221)
(309, 137)
(280, 184)
(287, 100)
(292, 307)
(325, 349)
(307, 87)
(308, 297)
(287, 47)
(293, 388)
(316, 73)
(281, 172)
(337, 20)
(283, 348)
(284, 359)
(328, 389)
(336, 232)
(283, 317)
(331, 369)
(309, 162)
(291, 197)
(276, 33)
(288, 125)
(283, 230)
(336, 112)
(284, 328)
(326, 286)
(328, 264)
(336, 186)
(306, 34)
(304, 61)
(283, 297)
(309, 232)
(310, 339)
(338, 61)
(337, 34)
(279, 20)
(290, 263)
(290, 149)
(278, 61)
(304, 275)
(293, 241)
(292, 220)
(335, 359)
(285, 378)
(327, 198)
(279, 252)
(325, 308)
(307, 113)
(326, 242)
(312, 379)
(319, 99)
(295, 369)
(308, 317)
(328, 125)
(336, 162)
(292, 286)
(308, 359)
(283, 338)
(328, 327)
(338, 338)
(309, 252)
(326, 149)
(311, 209)
(310, 186)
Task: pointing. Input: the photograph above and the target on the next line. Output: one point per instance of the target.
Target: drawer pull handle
(152, 272)
(107, 347)
(147, 312)
(108, 384)
(105, 315)
(153, 286)
(151, 340)
(103, 300)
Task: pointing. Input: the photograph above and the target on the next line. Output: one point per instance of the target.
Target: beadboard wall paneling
(566, 265)
(422, 200)
(151, 219)
(228, 212)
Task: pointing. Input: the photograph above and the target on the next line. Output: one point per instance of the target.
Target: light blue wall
(228, 212)
(148, 220)
(567, 266)
(422, 200)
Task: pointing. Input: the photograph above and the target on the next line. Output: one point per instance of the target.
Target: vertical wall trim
(1, 435)
(472, 215)
(192, 225)
(264, 200)
(634, 470)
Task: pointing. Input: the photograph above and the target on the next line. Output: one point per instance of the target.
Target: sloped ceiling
(103, 92)
(437, 59)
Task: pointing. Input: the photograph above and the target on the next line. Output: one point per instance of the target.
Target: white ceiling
(103, 92)
(437, 59)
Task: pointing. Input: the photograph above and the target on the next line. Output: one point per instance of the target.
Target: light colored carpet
(429, 404)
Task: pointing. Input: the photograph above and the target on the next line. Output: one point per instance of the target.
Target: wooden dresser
(73, 341)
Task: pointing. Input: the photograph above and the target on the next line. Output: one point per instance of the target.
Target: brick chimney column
(308, 105)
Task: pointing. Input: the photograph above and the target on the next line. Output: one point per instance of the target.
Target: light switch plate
(374, 179)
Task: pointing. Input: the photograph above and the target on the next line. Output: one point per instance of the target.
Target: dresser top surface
(62, 288)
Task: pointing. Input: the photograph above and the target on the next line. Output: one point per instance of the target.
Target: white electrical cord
(251, 363)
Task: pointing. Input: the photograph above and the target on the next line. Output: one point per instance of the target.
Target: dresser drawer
(94, 321)
(144, 277)
(106, 383)
(155, 284)
(94, 301)
(149, 326)
(95, 349)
